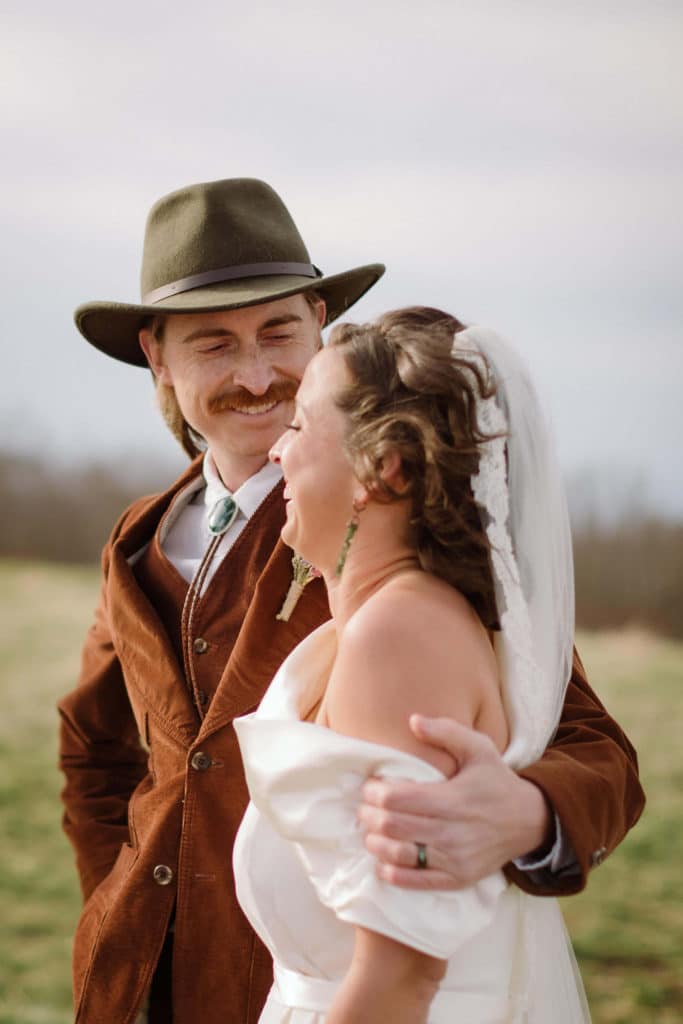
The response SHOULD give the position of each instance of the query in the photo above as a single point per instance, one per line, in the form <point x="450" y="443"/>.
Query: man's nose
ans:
<point x="253" y="372"/>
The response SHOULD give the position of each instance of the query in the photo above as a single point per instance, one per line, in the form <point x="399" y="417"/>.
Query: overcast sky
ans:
<point x="518" y="164"/>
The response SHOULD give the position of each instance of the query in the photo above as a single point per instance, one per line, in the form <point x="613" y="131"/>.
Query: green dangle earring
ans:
<point x="351" y="528"/>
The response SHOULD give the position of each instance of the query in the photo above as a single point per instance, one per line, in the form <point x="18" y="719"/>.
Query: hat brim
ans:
<point x="113" y="327"/>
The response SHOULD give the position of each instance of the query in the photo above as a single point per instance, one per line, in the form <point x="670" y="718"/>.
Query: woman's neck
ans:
<point x="368" y="568"/>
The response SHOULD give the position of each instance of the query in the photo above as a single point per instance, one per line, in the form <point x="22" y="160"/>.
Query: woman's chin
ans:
<point x="290" y="535"/>
<point x="294" y="540"/>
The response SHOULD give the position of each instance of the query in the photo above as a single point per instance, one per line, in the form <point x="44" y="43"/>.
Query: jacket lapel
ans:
<point x="264" y="642"/>
<point x="152" y="668"/>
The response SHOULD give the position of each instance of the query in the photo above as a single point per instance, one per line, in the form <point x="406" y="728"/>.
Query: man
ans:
<point x="189" y="631"/>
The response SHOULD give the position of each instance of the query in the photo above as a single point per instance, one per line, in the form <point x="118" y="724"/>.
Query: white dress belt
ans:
<point x="302" y="992"/>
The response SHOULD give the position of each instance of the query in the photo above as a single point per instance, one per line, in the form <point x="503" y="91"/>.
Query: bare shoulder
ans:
<point x="415" y="646"/>
<point x="419" y="612"/>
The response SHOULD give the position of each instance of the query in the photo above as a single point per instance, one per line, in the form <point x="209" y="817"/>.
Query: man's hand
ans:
<point x="472" y="824"/>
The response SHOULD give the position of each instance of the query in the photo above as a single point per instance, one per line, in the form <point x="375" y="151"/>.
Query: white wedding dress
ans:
<point x="304" y="879"/>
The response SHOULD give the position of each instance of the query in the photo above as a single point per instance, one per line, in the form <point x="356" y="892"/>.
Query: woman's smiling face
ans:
<point x="320" y="484"/>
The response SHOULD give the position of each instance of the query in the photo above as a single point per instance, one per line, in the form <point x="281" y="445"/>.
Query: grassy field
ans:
<point x="627" y="929"/>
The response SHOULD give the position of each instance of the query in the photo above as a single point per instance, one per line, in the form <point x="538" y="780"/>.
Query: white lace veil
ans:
<point x="519" y="491"/>
<point x="524" y="511"/>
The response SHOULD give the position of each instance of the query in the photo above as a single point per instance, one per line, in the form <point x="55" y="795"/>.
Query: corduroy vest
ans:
<point x="203" y="628"/>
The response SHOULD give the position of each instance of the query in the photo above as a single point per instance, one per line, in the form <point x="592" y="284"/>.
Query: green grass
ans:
<point x="627" y="928"/>
<point x="45" y="611"/>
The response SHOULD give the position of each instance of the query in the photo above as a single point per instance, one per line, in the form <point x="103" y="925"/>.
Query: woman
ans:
<point x="420" y="483"/>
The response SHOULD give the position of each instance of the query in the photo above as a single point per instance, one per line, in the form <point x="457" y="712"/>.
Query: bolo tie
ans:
<point x="222" y="515"/>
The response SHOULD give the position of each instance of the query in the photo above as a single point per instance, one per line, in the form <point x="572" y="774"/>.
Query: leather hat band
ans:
<point x="185" y="284"/>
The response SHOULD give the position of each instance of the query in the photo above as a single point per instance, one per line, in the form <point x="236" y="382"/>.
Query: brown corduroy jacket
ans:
<point x="153" y="824"/>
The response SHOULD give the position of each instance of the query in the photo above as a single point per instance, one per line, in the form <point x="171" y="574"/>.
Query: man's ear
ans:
<point x="321" y="312"/>
<point x="153" y="353"/>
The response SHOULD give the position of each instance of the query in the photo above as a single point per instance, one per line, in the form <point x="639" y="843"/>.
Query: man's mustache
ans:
<point x="242" y="400"/>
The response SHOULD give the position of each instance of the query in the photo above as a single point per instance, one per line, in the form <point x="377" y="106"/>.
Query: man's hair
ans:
<point x="191" y="441"/>
<point x="413" y="396"/>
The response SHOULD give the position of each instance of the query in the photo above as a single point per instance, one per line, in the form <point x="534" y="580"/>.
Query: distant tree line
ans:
<point x="65" y="513"/>
<point x="628" y="571"/>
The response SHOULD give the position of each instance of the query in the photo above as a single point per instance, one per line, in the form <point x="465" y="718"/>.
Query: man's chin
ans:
<point x="241" y="434"/>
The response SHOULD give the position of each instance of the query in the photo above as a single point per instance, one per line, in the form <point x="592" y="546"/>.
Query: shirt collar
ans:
<point x="251" y="493"/>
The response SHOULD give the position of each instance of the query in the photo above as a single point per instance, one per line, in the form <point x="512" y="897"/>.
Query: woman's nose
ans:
<point x="275" y="451"/>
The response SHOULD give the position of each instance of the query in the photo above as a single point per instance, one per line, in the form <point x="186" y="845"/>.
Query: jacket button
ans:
<point x="200" y="761"/>
<point x="200" y="645"/>
<point x="162" y="874"/>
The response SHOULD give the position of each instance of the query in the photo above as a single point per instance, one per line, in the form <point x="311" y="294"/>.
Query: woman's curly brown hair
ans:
<point x="412" y="395"/>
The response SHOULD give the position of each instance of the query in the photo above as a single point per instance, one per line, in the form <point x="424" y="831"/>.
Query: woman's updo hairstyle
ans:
<point x="412" y="395"/>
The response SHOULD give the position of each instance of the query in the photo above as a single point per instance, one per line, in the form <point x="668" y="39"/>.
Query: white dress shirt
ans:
<point x="184" y="533"/>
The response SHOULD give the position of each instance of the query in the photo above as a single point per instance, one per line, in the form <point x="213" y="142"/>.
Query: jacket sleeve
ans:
<point x="589" y="774"/>
<point x="99" y="752"/>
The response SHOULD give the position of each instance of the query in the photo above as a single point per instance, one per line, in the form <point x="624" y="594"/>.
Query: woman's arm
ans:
<point x="487" y="815"/>
<point x="386" y="982"/>
<point x="395" y="657"/>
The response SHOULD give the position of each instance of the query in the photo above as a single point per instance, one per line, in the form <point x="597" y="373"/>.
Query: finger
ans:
<point x="396" y="825"/>
<point x="400" y="854"/>
<point x="458" y="740"/>
<point x="397" y="862"/>
<point x="418" y="799"/>
<point x="410" y="878"/>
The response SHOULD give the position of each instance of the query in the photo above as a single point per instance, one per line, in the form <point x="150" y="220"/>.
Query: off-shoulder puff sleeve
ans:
<point x="306" y="780"/>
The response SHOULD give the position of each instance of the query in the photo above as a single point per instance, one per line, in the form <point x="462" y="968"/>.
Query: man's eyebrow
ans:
<point x="222" y="332"/>
<point x="207" y="332"/>
<point x="280" y="321"/>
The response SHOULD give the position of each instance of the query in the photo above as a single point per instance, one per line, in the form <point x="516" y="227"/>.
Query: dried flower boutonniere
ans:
<point x="302" y="574"/>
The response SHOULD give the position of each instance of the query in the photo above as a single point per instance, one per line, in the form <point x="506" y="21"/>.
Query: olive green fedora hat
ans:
<point x="216" y="246"/>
